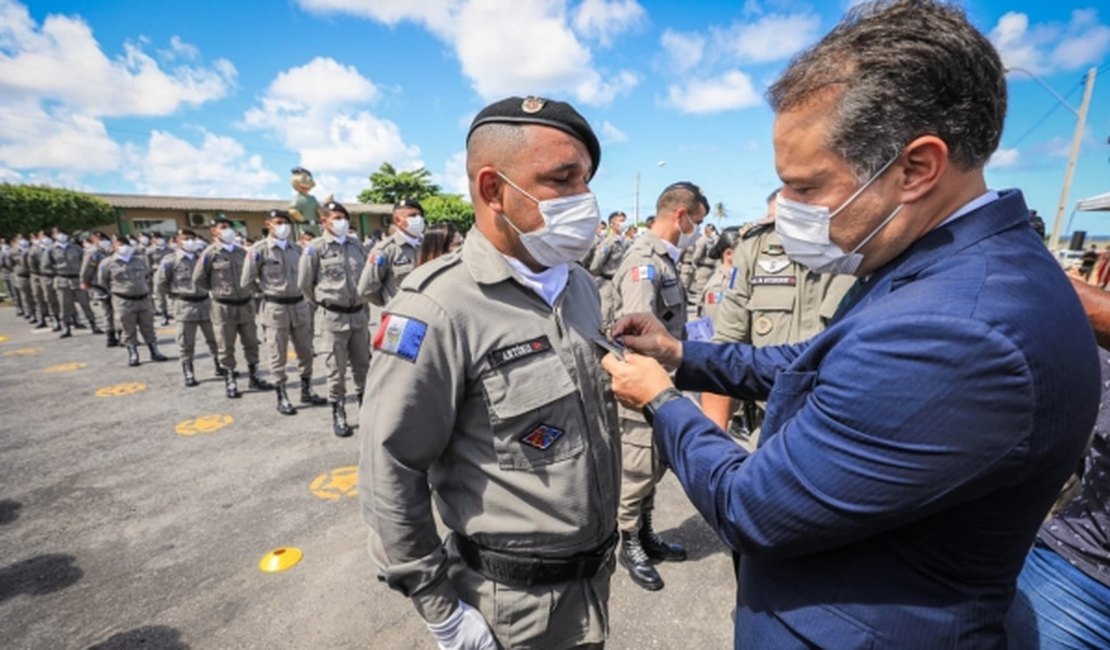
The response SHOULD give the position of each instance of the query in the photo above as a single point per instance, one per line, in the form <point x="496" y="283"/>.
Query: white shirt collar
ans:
<point x="548" y="283"/>
<point x="413" y="241"/>
<point x="281" y="243"/>
<point x="972" y="205"/>
<point x="672" y="250"/>
<point x="229" y="247"/>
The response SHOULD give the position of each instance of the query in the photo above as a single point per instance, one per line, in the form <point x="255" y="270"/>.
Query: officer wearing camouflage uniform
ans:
<point x="218" y="272"/>
<point x="648" y="280"/>
<point x="65" y="257"/>
<point x="768" y="300"/>
<point x="191" y="306"/>
<point x="393" y="257"/>
<point x="487" y="395"/>
<point x="126" y="276"/>
<point x="605" y="261"/>
<point x="90" y="278"/>
<point x="271" y="269"/>
<point x="158" y="251"/>
<point x="328" y="277"/>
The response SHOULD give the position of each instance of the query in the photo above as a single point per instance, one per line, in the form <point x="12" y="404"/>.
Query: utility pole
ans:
<point x="636" y="220"/>
<point x="1077" y="139"/>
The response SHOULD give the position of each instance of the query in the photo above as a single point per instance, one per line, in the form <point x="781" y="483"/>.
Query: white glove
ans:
<point x="465" y="629"/>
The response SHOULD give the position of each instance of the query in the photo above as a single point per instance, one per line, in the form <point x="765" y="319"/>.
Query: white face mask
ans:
<point x="804" y="231"/>
<point x="281" y="231"/>
<point x="63" y="238"/>
<point x="339" y="227"/>
<point x="227" y="235"/>
<point x="24" y="244"/>
<point x="416" y="225"/>
<point x="687" y="239"/>
<point x="105" y="245"/>
<point x="569" y="224"/>
<point x="46" y="241"/>
<point x="191" y="245"/>
<point x="145" y="241"/>
<point x="125" y="251"/>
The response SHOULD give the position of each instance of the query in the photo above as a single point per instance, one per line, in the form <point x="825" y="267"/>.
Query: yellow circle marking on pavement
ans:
<point x="167" y="330"/>
<point x="22" y="352"/>
<point x="65" y="367"/>
<point x="280" y="559"/>
<point x="4" y="339"/>
<point x="203" y="424"/>
<point x="336" y="484"/>
<point x="119" y="390"/>
<point x="291" y="355"/>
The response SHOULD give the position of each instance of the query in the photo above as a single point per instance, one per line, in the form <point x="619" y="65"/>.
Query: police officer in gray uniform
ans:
<point x="271" y="269"/>
<point x="126" y="275"/>
<point x="704" y="265"/>
<point x="65" y="257"/>
<point x="191" y="306"/>
<point x="393" y="257"/>
<point x="604" y="262"/>
<point x="100" y="250"/>
<point x="42" y="282"/>
<point x="155" y="253"/>
<point x="329" y="272"/>
<point x="219" y="271"/>
<point x="487" y="395"/>
<point x="6" y="274"/>
<point x="21" y="276"/>
<point x="648" y="280"/>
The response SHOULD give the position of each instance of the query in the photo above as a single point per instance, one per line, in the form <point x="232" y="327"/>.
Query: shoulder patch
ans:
<point x="400" y="336"/>
<point x="643" y="272"/>
<point x="308" y="249"/>
<point x="376" y="259"/>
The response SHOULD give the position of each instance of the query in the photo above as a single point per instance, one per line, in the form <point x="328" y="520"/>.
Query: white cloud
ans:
<point x="507" y="47"/>
<point x="1051" y="47"/>
<point x="454" y="179"/>
<point x="611" y="134"/>
<point x="773" y="37"/>
<point x="344" y="189"/>
<point x="32" y="137"/>
<point x="683" y="50"/>
<point x="219" y="166"/>
<point x="729" y="91"/>
<point x="315" y="110"/>
<point x="179" y="48"/>
<point x="603" y="21"/>
<point x="1004" y="158"/>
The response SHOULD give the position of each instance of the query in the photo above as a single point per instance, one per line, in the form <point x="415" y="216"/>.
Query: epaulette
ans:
<point x="423" y="275"/>
<point x="755" y="229"/>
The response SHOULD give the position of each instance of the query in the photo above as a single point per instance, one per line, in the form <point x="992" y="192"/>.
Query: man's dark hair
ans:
<point x="904" y="68"/>
<point x="682" y="194"/>
<point x="614" y="216"/>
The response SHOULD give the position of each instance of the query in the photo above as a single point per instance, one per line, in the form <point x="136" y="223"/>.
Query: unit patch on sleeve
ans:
<point x="517" y="351"/>
<point x="542" y="437"/>
<point x="400" y="336"/>
<point x="644" y="272"/>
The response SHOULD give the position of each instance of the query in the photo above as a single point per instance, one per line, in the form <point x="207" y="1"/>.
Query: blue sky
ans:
<point x="223" y="98"/>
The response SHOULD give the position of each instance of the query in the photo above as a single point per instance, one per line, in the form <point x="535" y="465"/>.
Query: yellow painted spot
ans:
<point x="280" y="559"/>
<point x="4" y="339"/>
<point x="336" y="484"/>
<point x="167" y="330"/>
<point x="65" y="367"/>
<point x="22" y="352"/>
<point x="291" y="355"/>
<point x="203" y="424"/>
<point x="120" y="390"/>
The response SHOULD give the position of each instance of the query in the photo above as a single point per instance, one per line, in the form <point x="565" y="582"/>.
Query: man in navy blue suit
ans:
<point x="911" y="450"/>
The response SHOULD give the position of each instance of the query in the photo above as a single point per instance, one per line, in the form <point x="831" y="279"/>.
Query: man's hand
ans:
<point x="644" y="334"/>
<point x="464" y="629"/>
<point x="637" y="380"/>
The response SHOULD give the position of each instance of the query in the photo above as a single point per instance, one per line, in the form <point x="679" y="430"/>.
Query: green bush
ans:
<point x="28" y="208"/>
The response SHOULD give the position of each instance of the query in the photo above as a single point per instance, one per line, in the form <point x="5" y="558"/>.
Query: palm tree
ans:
<point x="387" y="185"/>
<point x="720" y="212"/>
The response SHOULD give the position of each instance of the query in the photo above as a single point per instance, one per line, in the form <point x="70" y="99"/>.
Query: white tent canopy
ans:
<point x="1100" y="202"/>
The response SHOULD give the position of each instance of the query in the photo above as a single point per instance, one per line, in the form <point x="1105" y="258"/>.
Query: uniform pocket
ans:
<point x="771" y="299"/>
<point x="672" y="295"/>
<point x="534" y="412"/>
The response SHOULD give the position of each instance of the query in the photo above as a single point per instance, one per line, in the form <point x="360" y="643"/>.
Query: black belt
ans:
<point x="47" y="275"/>
<point x="607" y="277"/>
<point x="131" y="297"/>
<point x="516" y="570"/>
<point x="343" y="310"/>
<point x="708" y="266"/>
<point x="23" y="275"/>
<point x="283" y="301"/>
<point x="68" y="277"/>
<point x="234" y="303"/>
<point x="177" y="296"/>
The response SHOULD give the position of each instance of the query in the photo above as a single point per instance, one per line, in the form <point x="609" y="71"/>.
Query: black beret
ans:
<point x="408" y="203"/>
<point x="546" y="112"/>
<point x="221" y="219"/>
<point x="336" y="206"/>
<point x="277" y="214"/>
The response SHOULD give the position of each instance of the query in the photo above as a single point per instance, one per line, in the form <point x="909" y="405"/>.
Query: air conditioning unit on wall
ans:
<point x="196" y="220"/>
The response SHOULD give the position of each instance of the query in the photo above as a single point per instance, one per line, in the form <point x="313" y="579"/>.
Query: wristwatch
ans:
<point x="662" y="398"/>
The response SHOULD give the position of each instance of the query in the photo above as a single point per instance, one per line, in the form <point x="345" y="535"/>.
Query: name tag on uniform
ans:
<point x="518" y="351"/>
<point x="542" y="437"/>
<point x="403" y="260"/>
<point x="669" y="282"/>
<point x="774" y="280"/>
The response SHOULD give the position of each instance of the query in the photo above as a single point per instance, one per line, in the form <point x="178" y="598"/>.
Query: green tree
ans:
<point x="451" y="208"/>
<point x="387" y="185"/>
<point x="720" y="212"/>
<point x="27" y="208"/>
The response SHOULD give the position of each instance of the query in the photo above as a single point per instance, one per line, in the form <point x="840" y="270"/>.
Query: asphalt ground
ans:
<point x="134" y="513"/>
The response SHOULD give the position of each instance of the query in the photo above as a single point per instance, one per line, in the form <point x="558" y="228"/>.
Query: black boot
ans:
<point x="66" y="333"/>
<point x="220" y="370"/>
<point x="309" y="397"/>
<point x="190" y="377"/>
<point x="360" y="394"/>
<point x="655" y="546"/>
<point x="77" y="324"/>
<point x="339" y="420"/>
<point x="96" y="330"/>
<point x="132" y="355"/>
<point x="285" y="407"/>
<point x="256" y="382"/>
<point x="41" y="325"/>
<point x="57" y="325"/>
<point x="633" y="558"/>
<point x="155" y="355"/>
<point x="165" y="320"/>
<point x="231" y="387"/>
<point x="113" y="342"/>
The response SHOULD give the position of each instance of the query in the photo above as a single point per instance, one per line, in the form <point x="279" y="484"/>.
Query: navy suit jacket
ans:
<point x="909" y="452"/>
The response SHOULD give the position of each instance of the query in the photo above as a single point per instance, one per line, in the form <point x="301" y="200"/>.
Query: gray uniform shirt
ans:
<point x="174" y="278"/>
<point x="90" y="265"/>
<point x="66" y="260"/>
<point x="125" y="278"/>
<point x="388" y="264"/>
<point x="328" y="276"/>
<point x="607" y="256"/>
<point x="272" y="270"/>
<point x="491" y="401"/>
<point x="219" y="272"/>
